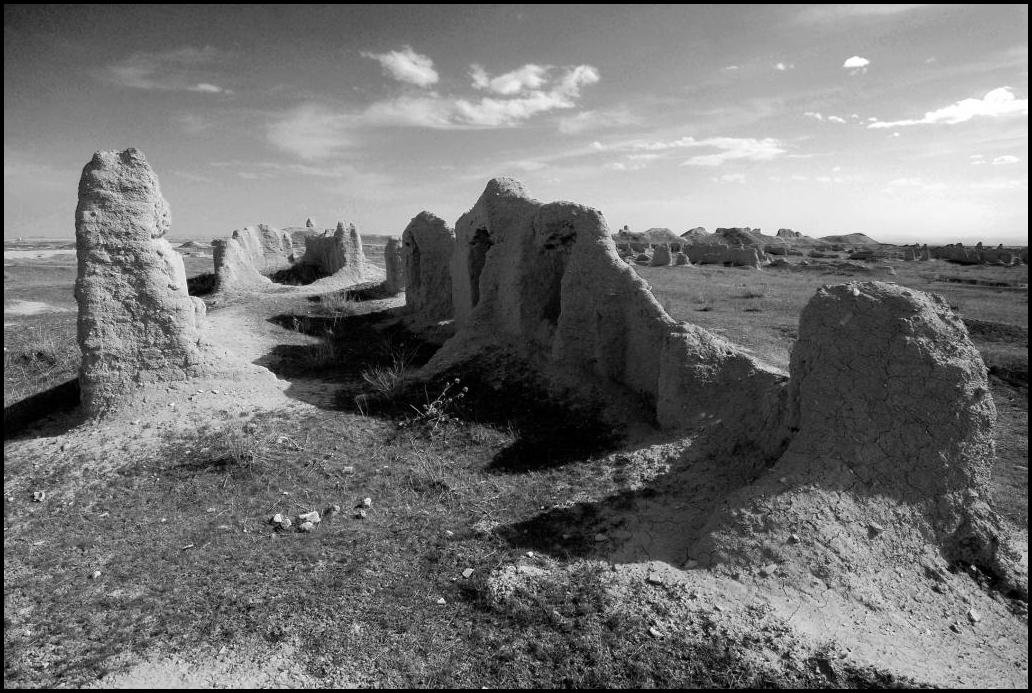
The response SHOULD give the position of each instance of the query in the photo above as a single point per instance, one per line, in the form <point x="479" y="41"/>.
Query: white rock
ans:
<point x="312" y="517"/>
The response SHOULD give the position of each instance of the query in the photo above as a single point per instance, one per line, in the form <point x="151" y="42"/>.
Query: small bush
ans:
<point x="433" y="415"/>
<point x="744" y="291"/>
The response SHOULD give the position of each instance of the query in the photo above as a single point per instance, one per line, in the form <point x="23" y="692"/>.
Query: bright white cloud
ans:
<point x="174" y="70"/>
<point x="523" y="79"/>
<point x="820" y="14"/>
<point x="434" y="111"/>
<point x="314" y="131"/>
<point x="207" y="88"/>
<point x="728" y="149"/>
<point x="856" y="65"/>
<point x="1005" y="160"/>
<point x="1002" y="184"/>
<point x="781" y="67"/>
<point x="814" y="114"/>
<point x="997" y="103"/>
<point x="836" y="119"/>
<point x="407" y="66"/>
<point x="588" y="121"/>
<point x="310" y="131"/>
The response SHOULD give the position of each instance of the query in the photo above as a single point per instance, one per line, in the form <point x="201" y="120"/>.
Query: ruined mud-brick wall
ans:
<point x="892" y="426"/>
<point x="660" y="255"/>
<point x="394" y="266"/>
<point x="427" y="245"/>
<point x="976" y="255"/>
<point x="338" y="253"/>
<point x="250" y="255"/>
<point x="547" y="278"/>
<point x="136" y="321"/>
<point x="712" y="254"/>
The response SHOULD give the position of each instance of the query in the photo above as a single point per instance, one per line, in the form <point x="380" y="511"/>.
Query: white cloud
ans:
<point x="587" y="121"/>
<point x="310" y="131"/>
<point x="912" y="183"/>
<point x="207" y="88"/>
<point x="314" y="131"/>
<point x="997" y="103"/>
<point x="731" y="68"/>
<point x="1002" y="184"/>
<point x="182" y="69"/>
<point x="526" y="78"/>
<point x="856" y="65"/>
<point x="836" y="119"/>
<point x="814" y="114"/>
<point x="1005" y="160"/>
<point x="407" y="66"/>
<point x="782" y="67"/>
<point x="729" y="178"/>
<point x="729" y="149"/>
<point x="434" y="111"/>
<point x="820" y="14"/>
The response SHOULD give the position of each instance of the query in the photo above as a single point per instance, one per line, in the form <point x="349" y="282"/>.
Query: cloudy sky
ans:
<point x="905" y="122"/>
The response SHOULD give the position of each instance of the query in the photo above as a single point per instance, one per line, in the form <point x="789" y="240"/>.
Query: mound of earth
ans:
<point x="653" y="235"/>
<point x="851" y="239"/>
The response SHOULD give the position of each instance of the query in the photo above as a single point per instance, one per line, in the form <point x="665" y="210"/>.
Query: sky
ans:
<point x="905" y="122"/>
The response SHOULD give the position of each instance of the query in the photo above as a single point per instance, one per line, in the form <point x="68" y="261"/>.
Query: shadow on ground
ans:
<point x="53" y="412"/>
<point x="369" y="360"/>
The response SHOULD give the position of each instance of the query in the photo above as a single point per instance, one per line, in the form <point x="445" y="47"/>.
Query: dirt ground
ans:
<point x="151" y="563"/>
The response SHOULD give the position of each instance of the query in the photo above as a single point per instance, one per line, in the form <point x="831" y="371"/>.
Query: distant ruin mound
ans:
<point x="851" y="239"/>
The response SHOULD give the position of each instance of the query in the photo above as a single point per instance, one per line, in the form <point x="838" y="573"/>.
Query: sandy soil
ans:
<point x="907" y="625"/>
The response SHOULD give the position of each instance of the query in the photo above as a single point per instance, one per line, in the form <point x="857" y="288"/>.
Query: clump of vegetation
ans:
<point x="38" y="357"/>
<point x="744" y="291"/>
<point x="340" y="304"/>
<point x="433" y="415"/>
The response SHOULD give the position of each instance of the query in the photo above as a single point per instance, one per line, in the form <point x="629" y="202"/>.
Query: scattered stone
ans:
<point x="366" y="503"/>
<point x="39" y="496"/>
<point x="654" y="632"/>
<point x="276" y="519"/>
<point x="874" y="529"/>
<point x="974" y="616"/>
<point x="441" y="601"/>
<point x="312" y="517"/>
<point x="95" y="575"/>
<point x="955" y="627"/>
<point x="348" y="470"/>
<point x="600" y="537"/>
<point x="654" y="579"/>
<point x="361" y="515"/>
<point x="793" y="538"/>
<point x="285" y="523"/>
<point x="768" y="570"/>
<point x="467" y="573"/>
<point x="306" y="526"/>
